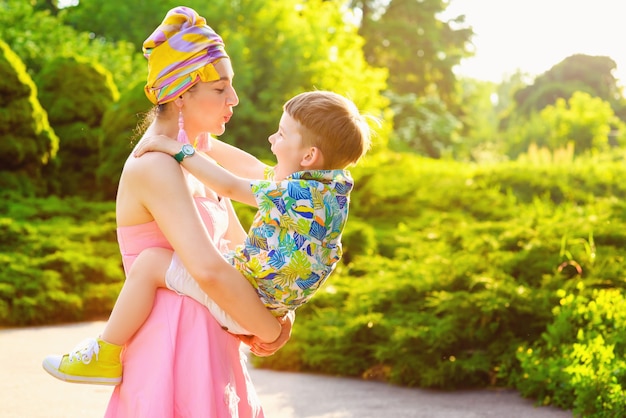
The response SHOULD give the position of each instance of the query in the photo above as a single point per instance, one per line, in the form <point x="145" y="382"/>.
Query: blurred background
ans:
<point x="485" y="241"/>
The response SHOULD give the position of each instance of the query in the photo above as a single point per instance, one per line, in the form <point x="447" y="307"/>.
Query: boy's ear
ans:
<point x="313" y="159"/>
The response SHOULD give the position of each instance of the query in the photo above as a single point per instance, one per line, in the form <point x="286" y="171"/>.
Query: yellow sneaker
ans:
<point x="92" y="361"/>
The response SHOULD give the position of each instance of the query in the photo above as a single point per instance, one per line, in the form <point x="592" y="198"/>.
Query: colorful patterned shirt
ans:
<point x="294" y="242"/>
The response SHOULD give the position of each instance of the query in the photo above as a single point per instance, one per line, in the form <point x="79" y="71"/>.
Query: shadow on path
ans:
<point x="27" y="391"/>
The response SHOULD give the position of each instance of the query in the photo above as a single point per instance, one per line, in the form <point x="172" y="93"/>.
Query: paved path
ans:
<point x="27" y="391"/>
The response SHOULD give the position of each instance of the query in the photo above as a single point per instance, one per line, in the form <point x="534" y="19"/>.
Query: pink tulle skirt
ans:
<point x="182" y="364"/>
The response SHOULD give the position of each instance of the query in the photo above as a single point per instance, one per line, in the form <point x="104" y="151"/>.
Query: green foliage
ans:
<point x="451" y="272"/>
<point x="424" y="125"/>
<point x="481" y="105"/>
<point x="49" y="277"/>
<point x="76" y="93"/>
<point x="121" y="128"/>
<point x="37" y="37"/>
<point x="579" y="360"/>
<point x="546" y="95"/>
<point x="425" y="68"/>
<point x="130" y="21"/>
<point x="359" y="238"/>
<point x="422" y="87"/>
<point x="575" y="73"/>
<point x="27" y="142"/>
<point x="577" y="101"/>
<point x="584" y="121"/>
<point x="70" y="88"/>
<point x="314" y="33"/>
<point x="454" y="276"/>
<point x="471" y="262"/>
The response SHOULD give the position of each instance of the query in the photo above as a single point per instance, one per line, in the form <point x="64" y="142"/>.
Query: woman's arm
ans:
<point x="235" y="232"/>
<point x="159" y="185"/>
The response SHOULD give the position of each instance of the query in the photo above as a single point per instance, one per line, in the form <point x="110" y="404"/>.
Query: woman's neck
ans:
<point x="168" y="129"/>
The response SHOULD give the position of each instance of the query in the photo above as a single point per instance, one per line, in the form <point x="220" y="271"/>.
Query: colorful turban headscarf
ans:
<point x="180" y="53"/>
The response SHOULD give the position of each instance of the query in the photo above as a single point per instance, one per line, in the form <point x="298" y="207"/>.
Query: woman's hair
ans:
<point x="332" y="123"/>
<point x="145" y="120"/>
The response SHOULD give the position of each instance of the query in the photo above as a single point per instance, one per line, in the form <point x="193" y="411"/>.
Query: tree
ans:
<point x="283" y="48"/>
<point x="588" y="123"/>
<point x="51" y="6"/>
<point x="27" y="142"/>
<point x="130" y="21"/>
<point x="76" y="93"/>
<point x="278" y="49"/>
<point x="585" y="120"/>
<point x="481" y="106"/>
<point x="590" y="74"/>
<point x="38" y="37"/>
<point x="121" y="128"/>
<point x="419" y="50"/>
<point x="430" y="130"/>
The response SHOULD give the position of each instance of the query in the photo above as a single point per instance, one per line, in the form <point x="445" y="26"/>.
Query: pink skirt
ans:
<point x="182" y="364"/>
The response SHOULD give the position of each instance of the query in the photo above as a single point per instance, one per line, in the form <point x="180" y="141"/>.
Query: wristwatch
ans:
<point x="186" y="151"/>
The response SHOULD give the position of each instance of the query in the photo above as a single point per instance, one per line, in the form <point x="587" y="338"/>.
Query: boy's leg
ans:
<point x="134" y="303"/>
<point x="178" y="279"/>
<point x="97" y="361"/>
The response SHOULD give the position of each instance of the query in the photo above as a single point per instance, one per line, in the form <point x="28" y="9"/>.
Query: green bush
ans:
<point x="27" y="142"/>
<point x="60" y="260"/>
<point x="471" y="262"/>
<point x="76" y="93"/>
<point x="450" y="278"/>
<point x="580" y="360"/>
<point x="121" y="129"/>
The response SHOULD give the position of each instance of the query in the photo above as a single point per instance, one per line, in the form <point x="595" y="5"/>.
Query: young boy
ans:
<point x="293" y="244"/>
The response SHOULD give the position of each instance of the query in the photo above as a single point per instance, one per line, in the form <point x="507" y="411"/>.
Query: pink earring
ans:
<point x="203" y="142"/>
<point x="182" y="135"/>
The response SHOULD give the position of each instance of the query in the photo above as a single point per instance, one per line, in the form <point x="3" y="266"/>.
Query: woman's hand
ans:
<point x="160" y="143"/>
<point x="261" y="349"/>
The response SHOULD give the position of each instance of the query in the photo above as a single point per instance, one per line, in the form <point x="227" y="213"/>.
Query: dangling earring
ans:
<point x="182" y="135"/>
<point x="203" y="142"/>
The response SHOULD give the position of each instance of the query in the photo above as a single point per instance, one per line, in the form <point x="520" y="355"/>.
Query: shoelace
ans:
<point x="85" y="351"/>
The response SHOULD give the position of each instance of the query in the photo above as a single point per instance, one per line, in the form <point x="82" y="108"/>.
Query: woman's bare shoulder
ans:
<point x="151" y="168"/>
<point x="148" y="186"/>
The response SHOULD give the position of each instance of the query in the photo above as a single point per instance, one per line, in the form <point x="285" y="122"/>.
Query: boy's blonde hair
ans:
<point x="333" y="124"/>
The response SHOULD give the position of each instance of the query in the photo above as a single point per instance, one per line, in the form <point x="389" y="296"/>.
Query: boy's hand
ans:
<point x="262" y="349"/>
<point x="160" y="143"/>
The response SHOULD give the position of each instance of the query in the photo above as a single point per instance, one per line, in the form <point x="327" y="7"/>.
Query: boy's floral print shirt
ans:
<point x="294" y="242"/>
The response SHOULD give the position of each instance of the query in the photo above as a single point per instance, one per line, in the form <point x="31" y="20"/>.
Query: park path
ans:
<point x="27" y="391"/>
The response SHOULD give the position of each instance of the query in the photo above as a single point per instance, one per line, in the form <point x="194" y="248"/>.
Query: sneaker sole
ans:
<point x="108" y="381"/>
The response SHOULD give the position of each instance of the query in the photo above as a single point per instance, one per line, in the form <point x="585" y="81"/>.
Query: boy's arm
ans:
<point x="220" y="180"/>
<point x="236" y="161"/>
<point x="223" y="182"/>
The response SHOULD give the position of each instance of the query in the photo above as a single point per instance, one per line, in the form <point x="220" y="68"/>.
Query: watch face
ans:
<point x="188" y="149"/>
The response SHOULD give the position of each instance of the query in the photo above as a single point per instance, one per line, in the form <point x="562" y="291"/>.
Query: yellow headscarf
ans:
<point x="180" y="53"/>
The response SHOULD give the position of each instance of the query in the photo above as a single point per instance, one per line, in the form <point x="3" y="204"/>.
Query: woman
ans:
<point x="181" y="363"/>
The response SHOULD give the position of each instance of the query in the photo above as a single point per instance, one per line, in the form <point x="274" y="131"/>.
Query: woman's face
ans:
<point x="207" y="107"/>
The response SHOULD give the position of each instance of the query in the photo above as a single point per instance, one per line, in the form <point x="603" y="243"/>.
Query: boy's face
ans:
<point x="288" y="147"/>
